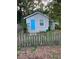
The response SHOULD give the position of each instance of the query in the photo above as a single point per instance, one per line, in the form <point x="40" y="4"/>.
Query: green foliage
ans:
<point x="34" y="49"/>
<point x="18" y="48"/>
<point x="23" y="24"/>
<point x="57" y="27"/>
<point x="19" y="16"/>
<point x="54" y="55"/>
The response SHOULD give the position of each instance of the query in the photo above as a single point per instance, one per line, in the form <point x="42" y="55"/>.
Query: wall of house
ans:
<point x="37" y="19"/>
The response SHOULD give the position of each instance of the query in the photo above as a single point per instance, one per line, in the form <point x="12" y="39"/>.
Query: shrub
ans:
<point x="57" y="27"/>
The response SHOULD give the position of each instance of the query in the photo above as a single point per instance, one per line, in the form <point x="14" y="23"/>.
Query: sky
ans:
<point x="45" y="2"/>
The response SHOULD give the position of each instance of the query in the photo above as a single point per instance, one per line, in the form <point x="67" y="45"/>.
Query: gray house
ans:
<point x="37" y="22"/>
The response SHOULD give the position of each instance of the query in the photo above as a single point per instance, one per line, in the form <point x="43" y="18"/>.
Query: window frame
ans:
<point x="41" y="22"/>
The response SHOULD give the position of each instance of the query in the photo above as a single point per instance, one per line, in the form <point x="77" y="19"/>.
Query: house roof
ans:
<point x="35" y="14"/>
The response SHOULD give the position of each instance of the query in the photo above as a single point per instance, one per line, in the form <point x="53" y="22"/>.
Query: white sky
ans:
<point x="45" y="2"/>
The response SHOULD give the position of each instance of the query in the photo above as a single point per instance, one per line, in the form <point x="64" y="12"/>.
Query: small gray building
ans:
<point x="37" y="22"/>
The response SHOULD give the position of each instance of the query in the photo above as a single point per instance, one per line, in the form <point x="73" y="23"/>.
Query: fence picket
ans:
<point x="39" y="39"/>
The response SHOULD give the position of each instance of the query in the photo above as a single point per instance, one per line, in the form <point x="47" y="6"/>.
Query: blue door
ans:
<point x="32" y="24"/>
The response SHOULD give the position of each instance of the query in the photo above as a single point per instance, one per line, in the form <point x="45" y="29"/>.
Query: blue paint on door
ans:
<point x="32" y="24"/>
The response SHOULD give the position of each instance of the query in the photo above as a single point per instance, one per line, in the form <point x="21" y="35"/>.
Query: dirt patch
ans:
<point x="44" y="52"/>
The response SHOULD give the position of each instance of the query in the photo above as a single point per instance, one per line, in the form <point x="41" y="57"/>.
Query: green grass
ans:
<point x="18" y="48"/>
<point x="54" y="56"/>
<point x="33" y="49"/>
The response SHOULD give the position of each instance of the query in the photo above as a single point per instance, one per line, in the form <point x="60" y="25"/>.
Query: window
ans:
<point x="42" y="22"/>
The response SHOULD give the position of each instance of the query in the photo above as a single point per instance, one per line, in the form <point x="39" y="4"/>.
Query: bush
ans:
<point x="24" y="25"/>
<point x="57" y="27"/>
